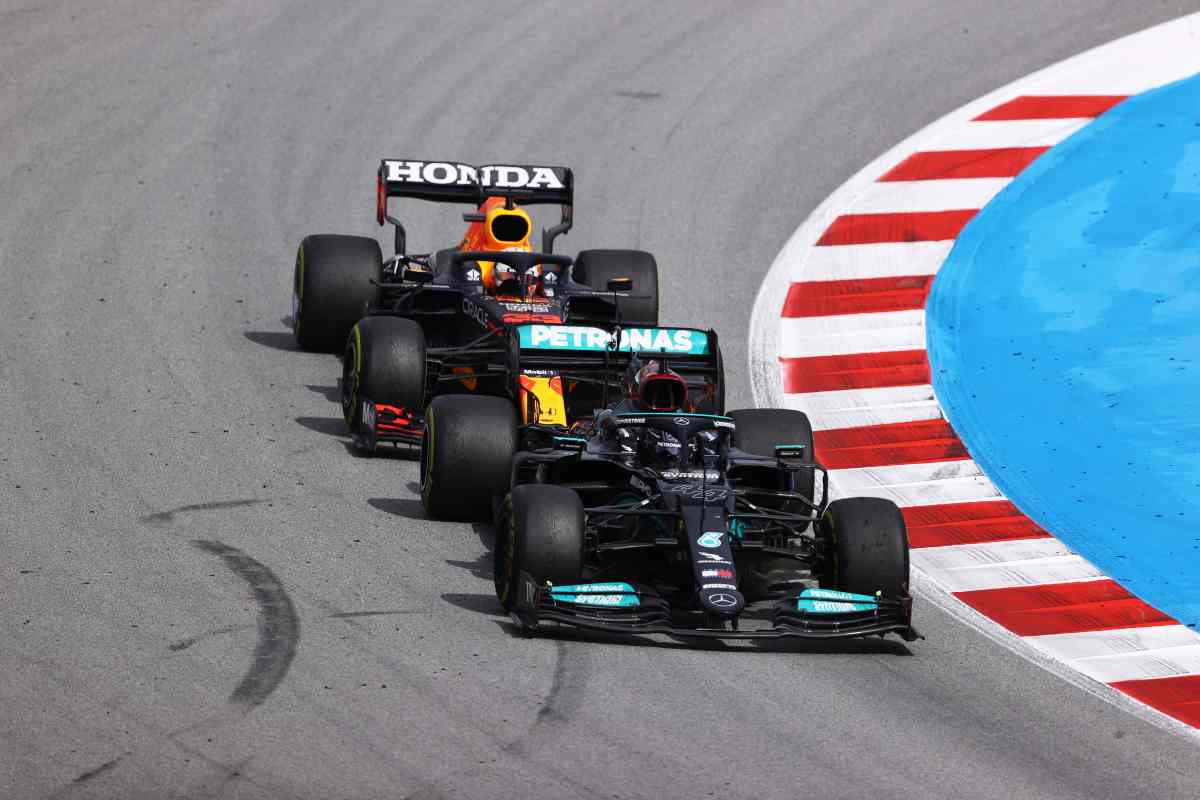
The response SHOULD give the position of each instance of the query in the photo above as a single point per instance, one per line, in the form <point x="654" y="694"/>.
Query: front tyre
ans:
<point x="384" y="362"/>
<point x="466" y="455"/>
<point x="540" y="532"/>
<point x="332" y="286"/>
<point x="866" y="547"/>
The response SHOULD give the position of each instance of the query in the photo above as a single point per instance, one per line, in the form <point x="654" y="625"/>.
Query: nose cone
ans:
<point x="719" y="600"/>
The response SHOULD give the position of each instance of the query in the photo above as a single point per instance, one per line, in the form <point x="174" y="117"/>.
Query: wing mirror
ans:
<point x="790" y="452"/>
<point x="417" y="275"/>
<point x="620" y="284"/>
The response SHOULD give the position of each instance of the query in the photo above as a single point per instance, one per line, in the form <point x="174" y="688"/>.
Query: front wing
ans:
<point x="384" y="423"/>
<point x="653" y="615"/>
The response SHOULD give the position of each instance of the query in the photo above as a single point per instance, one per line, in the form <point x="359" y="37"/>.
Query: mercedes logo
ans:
<point x="682" y="421"/>
<point x="722" y="600"/>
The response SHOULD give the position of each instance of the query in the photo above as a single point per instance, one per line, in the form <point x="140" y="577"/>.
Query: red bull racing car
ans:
<point x="491" y="316"/>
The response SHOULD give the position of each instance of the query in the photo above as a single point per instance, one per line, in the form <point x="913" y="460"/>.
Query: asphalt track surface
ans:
<point x="205" y="595"/>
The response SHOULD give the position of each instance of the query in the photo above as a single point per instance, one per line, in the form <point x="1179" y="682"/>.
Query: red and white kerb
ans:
<point x="852" y="351"/>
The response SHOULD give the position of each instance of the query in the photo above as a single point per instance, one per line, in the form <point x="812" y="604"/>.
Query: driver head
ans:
<point x="657" y="387"/>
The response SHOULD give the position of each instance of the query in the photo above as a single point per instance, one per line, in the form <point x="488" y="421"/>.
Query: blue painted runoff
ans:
<point x="1064" y="337"/>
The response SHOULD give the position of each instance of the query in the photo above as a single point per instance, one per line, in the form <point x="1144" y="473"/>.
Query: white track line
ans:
<point x="874" y="261"/>
<point x="896" y="196"/>
<point x="857" y="408"/>
<point x="847" y="334"/>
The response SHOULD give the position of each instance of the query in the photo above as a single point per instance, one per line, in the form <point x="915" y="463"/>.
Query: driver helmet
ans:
<point x="656" y="387"/>
<point x="500" y="274"/>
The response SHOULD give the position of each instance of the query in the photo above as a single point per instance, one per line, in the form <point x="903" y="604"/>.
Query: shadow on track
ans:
<point x="331" y="393"/>
<point x="479" y="603"/>
<point x="332" y="426"/>
<point x="406" y="507"/>
<point x="276" y="340"/>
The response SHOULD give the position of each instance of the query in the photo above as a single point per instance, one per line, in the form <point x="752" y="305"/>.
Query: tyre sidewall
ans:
<point x="596" y="267"/>
<point x="385" y="363"/>
<point x="543" y="536"/>
<point x="866" y="547"/>
<point x="332" y="288"/>
<point x="466" y="457"/>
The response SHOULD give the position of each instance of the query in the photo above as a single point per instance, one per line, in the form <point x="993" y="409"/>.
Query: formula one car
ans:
<point x="694" y="526"/>
<point x="564" y="375"/>
<point x="457" y="321"/>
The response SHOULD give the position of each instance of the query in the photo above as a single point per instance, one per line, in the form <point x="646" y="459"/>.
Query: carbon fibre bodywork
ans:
<point x="711" y="543"/>
<point x="558" y="358"/>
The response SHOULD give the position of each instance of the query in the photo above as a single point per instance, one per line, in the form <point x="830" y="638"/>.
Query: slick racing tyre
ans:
<point x="466" y="456"/>
<point x="332" y="288"/>
<point x="866" y="546"/>
<point x="384" y="362"/>
<point x="759" y="430"/>
<point x="540" y="532"/>
<point x="596" y="267"/>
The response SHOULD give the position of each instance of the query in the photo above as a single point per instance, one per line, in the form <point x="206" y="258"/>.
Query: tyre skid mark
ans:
<point x="164" y="517"/>
<point x="183" y="644"/>
<point x="278" y="624"/>
<point x="356" y="614"/>
<point x="100" y="770"/>
<point x="571" y="672"/>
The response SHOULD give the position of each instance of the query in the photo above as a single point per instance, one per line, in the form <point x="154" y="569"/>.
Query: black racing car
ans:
<point x="695" y="525"/>
<point x="414" y="327"/>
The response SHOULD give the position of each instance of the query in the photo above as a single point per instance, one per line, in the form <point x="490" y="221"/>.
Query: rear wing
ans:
<point x="592" y="355"/>
<point x="451" y="182"/>
<point x="669" y="343"/>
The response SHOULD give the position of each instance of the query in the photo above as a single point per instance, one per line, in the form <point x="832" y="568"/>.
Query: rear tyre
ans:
<point x="866" y="545"/>
<point x="332" y="287"/>
<point x="466" y="455"/>
<point x="759" y="430"/>
<point x="541" y="533"/>
<point x="596" y="267"/>
<point x="384" y="362"/>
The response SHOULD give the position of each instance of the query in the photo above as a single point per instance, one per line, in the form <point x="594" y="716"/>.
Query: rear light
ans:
<point x="380" y="198"/>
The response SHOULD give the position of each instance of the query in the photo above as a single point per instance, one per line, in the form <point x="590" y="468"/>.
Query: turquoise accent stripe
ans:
<point x="679" y="341"/>
<point x="830" y="601"/>
<point x="593" y="594"/>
